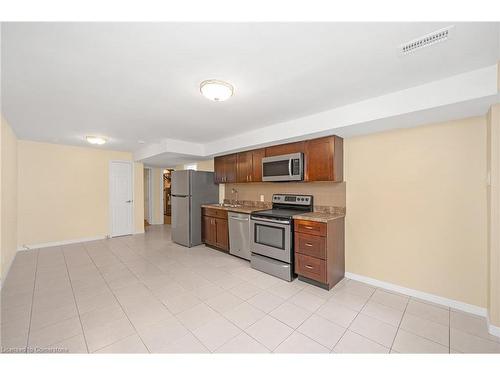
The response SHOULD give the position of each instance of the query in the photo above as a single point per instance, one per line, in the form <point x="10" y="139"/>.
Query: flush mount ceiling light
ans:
<point x="92" y="139"/>
<point x="216" y="90"/>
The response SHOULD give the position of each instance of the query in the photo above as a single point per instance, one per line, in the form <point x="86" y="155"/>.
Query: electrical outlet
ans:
<point x="262" y="197"/>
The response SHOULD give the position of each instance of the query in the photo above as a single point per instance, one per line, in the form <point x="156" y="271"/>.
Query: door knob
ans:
<point x="129" y="201"/>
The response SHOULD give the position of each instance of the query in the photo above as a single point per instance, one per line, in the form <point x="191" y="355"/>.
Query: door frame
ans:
<point x="150" y="195"/>
<point x="162" y="195"/>
<point x="132" y="206"/>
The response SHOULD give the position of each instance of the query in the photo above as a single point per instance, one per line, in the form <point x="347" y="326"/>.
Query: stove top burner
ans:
<point x="279" y="212"/>
<point x="285" y="206"/>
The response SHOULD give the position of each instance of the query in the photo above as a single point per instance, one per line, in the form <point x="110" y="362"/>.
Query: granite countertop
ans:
<point x="322" y="214"/>
<point x="241" y="209"/>
<point x="322" y="217"/>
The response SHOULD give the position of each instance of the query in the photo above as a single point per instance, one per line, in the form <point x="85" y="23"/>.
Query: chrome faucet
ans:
<point x="234" y="191"/>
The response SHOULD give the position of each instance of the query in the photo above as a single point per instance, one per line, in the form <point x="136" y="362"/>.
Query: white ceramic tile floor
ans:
<point x="143" y="293"/>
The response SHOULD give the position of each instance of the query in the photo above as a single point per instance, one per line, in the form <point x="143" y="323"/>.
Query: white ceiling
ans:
<point x="140" y="81"/>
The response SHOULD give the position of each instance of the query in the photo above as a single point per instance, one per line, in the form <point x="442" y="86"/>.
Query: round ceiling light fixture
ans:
<point x="95" y="140"/>
<point x="216" y="90"/>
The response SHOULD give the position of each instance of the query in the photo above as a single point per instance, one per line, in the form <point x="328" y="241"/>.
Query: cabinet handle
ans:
<point x="308" y="244"/>
<point x="310" y="267"/>
<point x="308" y="227"/>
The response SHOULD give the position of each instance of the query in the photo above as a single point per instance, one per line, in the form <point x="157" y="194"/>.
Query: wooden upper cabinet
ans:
<point x="225" y="168"/>
<point x="287" y="148"/>
<point x="230" y="163"/>
<point x="257" y="155"/>
<point x="219" y="169"/>
<point x="244" y="166"/>
<point x="249" y="166"/>
<point x="323" y="159"/>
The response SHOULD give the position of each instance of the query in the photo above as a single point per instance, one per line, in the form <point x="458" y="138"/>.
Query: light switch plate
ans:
<point x="262" y="197"/>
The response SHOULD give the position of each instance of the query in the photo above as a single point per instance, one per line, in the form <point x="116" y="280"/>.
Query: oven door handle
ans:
<point x="287" y="222"/>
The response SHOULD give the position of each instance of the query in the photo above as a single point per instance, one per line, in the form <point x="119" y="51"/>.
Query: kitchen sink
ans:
<point x="227" y="205"/>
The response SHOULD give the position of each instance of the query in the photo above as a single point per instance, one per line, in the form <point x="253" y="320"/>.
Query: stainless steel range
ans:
<point x="271" y="234"/>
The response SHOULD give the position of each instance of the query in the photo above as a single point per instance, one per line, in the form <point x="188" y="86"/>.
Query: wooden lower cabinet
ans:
<point x="215" y="229"/>
<point x="222" y="234"/>
<point x="319" y="251"/>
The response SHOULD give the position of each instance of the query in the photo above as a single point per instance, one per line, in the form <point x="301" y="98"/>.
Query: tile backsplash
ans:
<point x="324" y="193"/>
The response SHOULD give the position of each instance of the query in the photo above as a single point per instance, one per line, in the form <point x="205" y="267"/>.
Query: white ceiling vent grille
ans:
<point x="426" y="40"/>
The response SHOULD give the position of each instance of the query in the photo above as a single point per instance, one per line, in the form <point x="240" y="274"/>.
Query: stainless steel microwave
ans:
<point x="289" y="167"/>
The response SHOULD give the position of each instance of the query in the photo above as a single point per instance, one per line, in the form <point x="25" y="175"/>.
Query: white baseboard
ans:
<point x="462" y="306"/>
<point x="493" y="330"/>
<point x="60" y="243"/>
<point x="472" y="309"/>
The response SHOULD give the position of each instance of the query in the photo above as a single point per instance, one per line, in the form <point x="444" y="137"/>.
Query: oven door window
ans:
<point x="276" y="168"/>
<point x="269" y="235"/>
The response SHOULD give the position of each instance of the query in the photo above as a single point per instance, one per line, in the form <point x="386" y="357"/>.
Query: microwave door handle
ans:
<point x="290" y="167"/>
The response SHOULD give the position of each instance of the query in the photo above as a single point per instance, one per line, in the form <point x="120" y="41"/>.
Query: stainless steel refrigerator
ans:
<point x="190" y="189"/>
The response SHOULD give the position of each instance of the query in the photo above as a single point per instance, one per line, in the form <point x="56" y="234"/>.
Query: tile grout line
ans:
<point x="152" y="292"/>
<point x="202" y="302"/>
<point x="399" y="325"/>
<point x="350" y="324"/>
<point x="114" y="295"/>
<point x="296" y="329"/>
<point x="147" y="287"/>
<point x="269" y="314"/>
<point x="32" y="299"/>
<point x="419" y="335"/>
<point x="74" y="299"/>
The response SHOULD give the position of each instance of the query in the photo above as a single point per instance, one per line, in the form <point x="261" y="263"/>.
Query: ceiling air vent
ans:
<point x="426" y="40"/>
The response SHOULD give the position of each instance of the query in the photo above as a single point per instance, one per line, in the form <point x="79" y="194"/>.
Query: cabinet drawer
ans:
<point x="214" y="212"/>
<point x="311" y="245"/>
<point x="310" y="227"/>
<point x="312" y="268"/>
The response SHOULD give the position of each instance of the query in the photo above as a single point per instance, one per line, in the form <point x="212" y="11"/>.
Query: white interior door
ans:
<point x="121" y="197"/>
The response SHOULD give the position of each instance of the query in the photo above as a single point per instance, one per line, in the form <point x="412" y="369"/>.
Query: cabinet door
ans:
<point x="324" y="160"/>
<point x="244" y="166"/>
<point x="288" y="148"/>
<point x="208" y="230"/>
<point x="256" y="173"/>
<point x="230" y="162"/>
<point x="219" y="169"/>
<point x="319" y="159"/>
<point x="222" y="234"/>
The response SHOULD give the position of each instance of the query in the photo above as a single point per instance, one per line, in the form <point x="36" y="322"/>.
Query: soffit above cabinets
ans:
<point x="140" y="81"/>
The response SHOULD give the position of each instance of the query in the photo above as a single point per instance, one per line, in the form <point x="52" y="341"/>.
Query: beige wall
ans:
<point x="8" y="194"/>
<point x="157" y="191"/>
<point x="416" y="208"/>
<point x="63" y="192"/>
<point x="325" y="193"/>
<point x="493" y="158"/>
<point x="138" y="197"/>
<point x="201" y="165"/>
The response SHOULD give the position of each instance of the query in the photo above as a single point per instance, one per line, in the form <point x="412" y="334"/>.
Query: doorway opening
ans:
<point x="167" y="204"/>
<point x="148" y="201"/>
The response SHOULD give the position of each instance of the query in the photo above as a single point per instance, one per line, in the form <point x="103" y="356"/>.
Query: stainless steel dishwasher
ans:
<point x="239" y="235"/>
